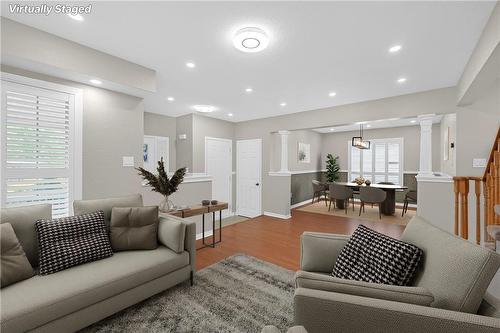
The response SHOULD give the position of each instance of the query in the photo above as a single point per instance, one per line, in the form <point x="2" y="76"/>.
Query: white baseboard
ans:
<point x="301" y="203"/>
<point x="280" y="216"/>
<point x="207" y="234"/>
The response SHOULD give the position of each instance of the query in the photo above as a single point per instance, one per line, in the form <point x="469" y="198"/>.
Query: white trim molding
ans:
<point x="436" y="177"/>
<point x="279" y="174"/>
<point x="299" y="172"/>
<point x="298" y="204"/>
<point x="279" y="216"/>
<point x="284" y="150"/>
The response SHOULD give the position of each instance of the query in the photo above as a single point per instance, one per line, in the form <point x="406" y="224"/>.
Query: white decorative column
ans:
<point x="284" y="151"/>
<point x="425" y="168"/>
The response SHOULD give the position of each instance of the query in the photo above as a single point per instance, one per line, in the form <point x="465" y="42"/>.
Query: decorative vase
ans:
<point x="166" y="205"/>
<point x="368" y="182"/>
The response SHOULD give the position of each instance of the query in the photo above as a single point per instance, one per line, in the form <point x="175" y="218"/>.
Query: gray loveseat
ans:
<point x="447" y="296"/>
<point x="77" y="297"/>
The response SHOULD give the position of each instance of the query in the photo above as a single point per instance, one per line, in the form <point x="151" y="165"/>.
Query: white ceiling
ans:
<point x="315" y="48"/>
<point x="370" y="125"/>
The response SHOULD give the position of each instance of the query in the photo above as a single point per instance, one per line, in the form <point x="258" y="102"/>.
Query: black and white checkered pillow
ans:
<point x="71" y="241"/>
<point x="373" y="257"/>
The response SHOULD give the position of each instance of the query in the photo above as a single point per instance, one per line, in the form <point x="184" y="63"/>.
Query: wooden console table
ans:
<point x="202" y="210"/>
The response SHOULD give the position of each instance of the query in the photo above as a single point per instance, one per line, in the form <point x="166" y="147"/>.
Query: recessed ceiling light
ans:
<point x="204" y="108"/>
<point x="190" y="65"/>
<point x="251" y="39"/>
<point x="95" y="81"/>
<point x="332" y="94"/>
<point x="395" y="48"/>
<point x="413" y="121"/>
<point x="332" y="129"/>
<point x="170" y="99"/>
<point x="248" y="90"/>
<point x="230" y="114"/>
<point x="402" y="80"/>
<point x="368" y="126"/>
<point x="76" y="17"/>
<point x="283" y="104"/>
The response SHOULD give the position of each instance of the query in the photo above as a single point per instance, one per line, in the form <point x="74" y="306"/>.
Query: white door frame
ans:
<point x="230" y="203"/>
<point x="238" y="175"/>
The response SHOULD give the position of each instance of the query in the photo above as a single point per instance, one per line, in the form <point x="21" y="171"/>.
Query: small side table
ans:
<point x="202" y="210"/>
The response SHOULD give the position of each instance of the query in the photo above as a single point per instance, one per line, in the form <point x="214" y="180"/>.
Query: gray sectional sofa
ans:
<point x="79" y="296"/>
<point x="447" y="296"/>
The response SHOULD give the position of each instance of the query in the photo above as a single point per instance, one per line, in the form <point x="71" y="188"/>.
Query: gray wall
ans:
<point x="184" y="148"/>
<point x="112" y="128"/>
<point x="336" y="144"/>
<point x="477" y="125"/>
<point x="315" y="142"/>
<point x="160" y="125"/>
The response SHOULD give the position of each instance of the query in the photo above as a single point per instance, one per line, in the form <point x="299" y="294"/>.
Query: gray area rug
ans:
<point x="238" y="294"/>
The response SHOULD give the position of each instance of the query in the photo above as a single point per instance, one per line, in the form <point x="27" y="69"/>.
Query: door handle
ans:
<point x="257" y="184"/>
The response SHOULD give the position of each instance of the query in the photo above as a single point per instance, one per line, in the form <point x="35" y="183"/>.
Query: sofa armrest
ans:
<point x="319" y="251"/>
<point x="178" y="235"/>
<point x="320" y="311"/>
<point x="404" y="294"/>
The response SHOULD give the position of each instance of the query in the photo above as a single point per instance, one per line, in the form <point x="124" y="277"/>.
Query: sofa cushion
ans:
<point x="15" y="266"/>
<point x="134" y="228"/>
<point x="23" y="221"/>
<point x="171" y="232"/>
<point x="457" y="272"/>
<point x="373" y="257"/>
<point x="41" y="299"/>
<point x="404" y="294"/>
<point x="69" y="241"/>
<point x="106" y="205"/>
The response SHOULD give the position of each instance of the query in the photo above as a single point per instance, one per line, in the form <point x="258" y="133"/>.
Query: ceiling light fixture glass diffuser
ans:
<point x="358" y="142"/>
<point x="204" y="108"/>
<point x="251" y="39"/>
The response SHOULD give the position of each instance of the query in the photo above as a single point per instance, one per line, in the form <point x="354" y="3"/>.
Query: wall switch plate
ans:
<point x="182" y="136"/>
<point x="128" y="161"/>
<point x="478" y="162"/>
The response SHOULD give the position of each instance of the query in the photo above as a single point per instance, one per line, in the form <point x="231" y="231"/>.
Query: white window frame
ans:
<point x="75" y="192"/>
<point x="399" y="141"/>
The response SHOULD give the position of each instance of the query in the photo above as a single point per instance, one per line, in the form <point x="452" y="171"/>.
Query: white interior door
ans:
<point x="249" y="177"/>
<point x="219" y="165"/>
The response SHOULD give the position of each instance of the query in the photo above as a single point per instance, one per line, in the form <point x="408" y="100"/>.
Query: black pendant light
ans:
<point x="358" y="142"/>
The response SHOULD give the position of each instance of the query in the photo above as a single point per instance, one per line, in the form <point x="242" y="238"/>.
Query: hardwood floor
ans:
<point x="278" y="241"/>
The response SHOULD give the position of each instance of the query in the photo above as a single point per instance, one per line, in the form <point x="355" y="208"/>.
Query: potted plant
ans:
<point x="162" y="184"/>
<point x="332" y="168"/>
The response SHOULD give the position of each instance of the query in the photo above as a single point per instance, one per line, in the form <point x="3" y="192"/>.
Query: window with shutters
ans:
<point x="41" y="144"/>
<point x="383" y="162"/>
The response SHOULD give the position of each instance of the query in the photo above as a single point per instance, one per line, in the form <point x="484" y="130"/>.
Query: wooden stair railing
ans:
<point x="491" y="193"/>
<point x="491" y="186"/>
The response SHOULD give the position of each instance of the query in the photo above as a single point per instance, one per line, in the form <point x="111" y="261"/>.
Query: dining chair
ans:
<point x="339" y="192"/>
<point x="371" y="195"/>
<point x="411" y="196"/>
<point x="319" y="189"/>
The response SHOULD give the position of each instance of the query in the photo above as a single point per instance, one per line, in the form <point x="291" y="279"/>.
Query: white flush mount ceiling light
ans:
<point x="251" y="39"/>
<point x="190" y="65"/>
<point x="332" y="94"/>
<point x="229" y="114"/>
<point x="332" y="129"/>
<point x="95" y="81"/>
<point x="170" y="99"/>
<point x="248" y="90"/>
<point x="395" y="48"/>
<point x="283" y="104"/>
<point x="413" y="121"/>
<point x="76" y="17"/>
<point x="402" y="80"/>
<point x="204" y="108"/>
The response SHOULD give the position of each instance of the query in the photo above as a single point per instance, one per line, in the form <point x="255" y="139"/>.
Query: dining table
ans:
<point x="388" y="207"/>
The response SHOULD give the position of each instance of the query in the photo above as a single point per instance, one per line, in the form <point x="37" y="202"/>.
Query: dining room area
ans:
<point x="363" y="171"/>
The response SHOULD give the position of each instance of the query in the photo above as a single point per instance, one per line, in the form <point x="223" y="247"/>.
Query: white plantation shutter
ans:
<point x="38" y="155"/>
<point x="381" y="163"/>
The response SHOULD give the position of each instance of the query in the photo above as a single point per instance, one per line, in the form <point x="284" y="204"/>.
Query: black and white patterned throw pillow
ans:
<point x="71" y="241"/>
<point x="373" y="257"/>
